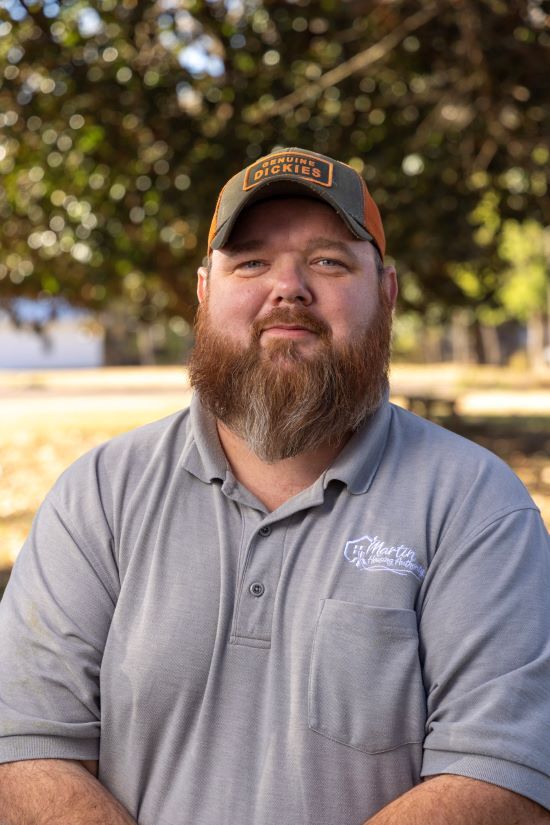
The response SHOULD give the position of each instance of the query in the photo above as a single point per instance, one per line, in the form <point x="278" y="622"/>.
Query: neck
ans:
<point x="274" y="483"/>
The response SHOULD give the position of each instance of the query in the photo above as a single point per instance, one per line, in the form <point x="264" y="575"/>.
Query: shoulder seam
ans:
<point x="496" y="516"/>
<point x="79" y="539"/>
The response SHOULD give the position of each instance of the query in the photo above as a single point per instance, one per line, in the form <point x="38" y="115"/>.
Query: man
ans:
<point x="294" y="603"/>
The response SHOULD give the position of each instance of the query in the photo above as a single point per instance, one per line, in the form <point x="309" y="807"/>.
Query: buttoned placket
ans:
<point x="262" y="555"/>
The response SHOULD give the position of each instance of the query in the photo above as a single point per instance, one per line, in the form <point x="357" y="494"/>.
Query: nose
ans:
<point x="290" y="284"/>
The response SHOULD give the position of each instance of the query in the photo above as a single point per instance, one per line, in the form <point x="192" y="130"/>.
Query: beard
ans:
<point x="282" y="402"/>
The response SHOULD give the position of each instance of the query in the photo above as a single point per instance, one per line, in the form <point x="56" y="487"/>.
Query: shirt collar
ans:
<point x="355" y="466"/>
<point x="358" y="462"/>
<point x="203" y="455"/>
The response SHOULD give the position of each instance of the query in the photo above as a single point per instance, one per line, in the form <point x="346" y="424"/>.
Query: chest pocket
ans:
<point x="365" y="682"/>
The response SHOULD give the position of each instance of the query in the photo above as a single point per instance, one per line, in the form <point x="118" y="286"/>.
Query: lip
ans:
<point x="288" y="331"/>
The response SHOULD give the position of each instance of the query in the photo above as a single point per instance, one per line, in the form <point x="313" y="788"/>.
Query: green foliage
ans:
<point x="526" y="249"/>
<point x="120" y="121"/>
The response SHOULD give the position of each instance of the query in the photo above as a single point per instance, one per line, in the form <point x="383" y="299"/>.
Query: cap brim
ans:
<point x="281" y="188"/>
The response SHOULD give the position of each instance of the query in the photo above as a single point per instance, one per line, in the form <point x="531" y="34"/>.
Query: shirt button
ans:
<point x="257" y="589"/>
<point x="265" y="531"/>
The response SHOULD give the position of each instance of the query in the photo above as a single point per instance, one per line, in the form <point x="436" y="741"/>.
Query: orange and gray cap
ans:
<point x="289" y="172"/>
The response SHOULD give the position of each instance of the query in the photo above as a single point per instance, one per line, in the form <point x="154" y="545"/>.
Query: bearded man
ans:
<point x="295" y="603"/>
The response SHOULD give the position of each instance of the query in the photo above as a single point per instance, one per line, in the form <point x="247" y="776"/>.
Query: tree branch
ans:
<point x="357" y="63"/>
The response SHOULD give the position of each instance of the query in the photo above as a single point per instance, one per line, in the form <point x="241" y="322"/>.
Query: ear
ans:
<point x="202" y="283"/>
<point x="389" y="284"/>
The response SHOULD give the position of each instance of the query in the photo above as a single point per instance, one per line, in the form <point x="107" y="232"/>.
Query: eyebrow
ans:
<point x="234" y="249"/>
<point x="329" y="243"/>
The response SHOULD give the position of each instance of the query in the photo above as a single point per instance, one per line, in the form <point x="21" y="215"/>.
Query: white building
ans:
<point x="69" y="341"/>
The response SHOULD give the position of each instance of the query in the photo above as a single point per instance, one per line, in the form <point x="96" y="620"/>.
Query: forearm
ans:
<point x="56" y="792"/>
<point x="457" y="800"/>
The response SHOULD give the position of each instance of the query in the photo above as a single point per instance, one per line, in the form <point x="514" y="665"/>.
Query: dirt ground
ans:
<point x="48" y="419"/>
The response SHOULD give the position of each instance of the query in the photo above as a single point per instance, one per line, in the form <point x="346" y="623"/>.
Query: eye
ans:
<point x="250" y="267"/>
<point x="331" y="264"/>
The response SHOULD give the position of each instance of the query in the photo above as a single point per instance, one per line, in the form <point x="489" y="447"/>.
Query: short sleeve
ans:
<point x="485" y="646"/>
<point x="54" y="620"/>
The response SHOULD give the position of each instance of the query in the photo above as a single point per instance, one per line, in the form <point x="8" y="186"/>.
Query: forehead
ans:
<point x="296" y="216"/>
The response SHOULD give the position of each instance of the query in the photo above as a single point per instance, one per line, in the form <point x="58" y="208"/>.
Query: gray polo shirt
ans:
<point x="301" y="667"/>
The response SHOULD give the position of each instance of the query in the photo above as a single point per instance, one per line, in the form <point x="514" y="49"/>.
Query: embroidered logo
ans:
<point x="289" y="163"/>
<point x="371" y="553"/>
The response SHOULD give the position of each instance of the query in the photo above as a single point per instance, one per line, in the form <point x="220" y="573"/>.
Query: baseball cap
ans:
<point x="291" y="172"/>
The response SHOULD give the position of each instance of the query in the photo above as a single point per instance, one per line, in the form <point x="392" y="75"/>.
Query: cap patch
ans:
<point x="289" y="164"/>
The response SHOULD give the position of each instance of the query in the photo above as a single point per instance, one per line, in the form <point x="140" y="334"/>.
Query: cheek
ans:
<point x="351" y="315"/>
<point x="232" y="310"/>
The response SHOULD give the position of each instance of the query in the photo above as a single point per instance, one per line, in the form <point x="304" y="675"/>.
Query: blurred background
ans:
<point x="119" y="123"/>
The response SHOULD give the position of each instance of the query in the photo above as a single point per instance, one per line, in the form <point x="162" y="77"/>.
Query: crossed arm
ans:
<point x="65" y="792"/>
<point x="56" y="792"/>
<point x="458" y="800"/>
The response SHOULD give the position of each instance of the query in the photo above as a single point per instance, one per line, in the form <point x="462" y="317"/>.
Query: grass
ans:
<point x="34" y="453"/>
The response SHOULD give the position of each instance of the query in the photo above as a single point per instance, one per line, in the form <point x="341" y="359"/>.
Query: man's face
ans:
<point x="293" y="332"/>
<point x="287" y="254"/>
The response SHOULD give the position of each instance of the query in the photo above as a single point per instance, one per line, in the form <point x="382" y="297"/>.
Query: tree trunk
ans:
<point x="119" y="348"/>
<point x="460" y="336"/>
<point x="145" y="344"/>
<point x="431" y="346"/>
<point x="535" y="339"/>
<point x="490" y="342"/>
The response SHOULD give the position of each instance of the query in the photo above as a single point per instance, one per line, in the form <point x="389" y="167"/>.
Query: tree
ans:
<point x="121" y="121"/>
<point x="525" y="290"/>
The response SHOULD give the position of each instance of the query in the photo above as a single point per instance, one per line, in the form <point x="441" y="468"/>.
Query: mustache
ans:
<point x="285" y="315"/>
